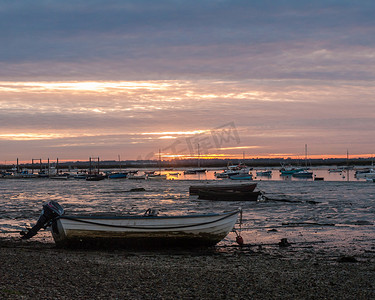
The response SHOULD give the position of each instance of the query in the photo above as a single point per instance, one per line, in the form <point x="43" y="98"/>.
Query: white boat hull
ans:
<point x="163" y="231"/>
<point x="370" y="175"/>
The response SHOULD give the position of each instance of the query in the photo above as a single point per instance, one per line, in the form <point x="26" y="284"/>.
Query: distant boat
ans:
<point x="233" y="170"/>
<point x="132" y="171"/>
<point x="303" y="174"/>
<point x="137" y="177"/>
<point x="240" y="166"/>
<point x="336" y="170"/>
<point x="196" y="170"/>
<point x="95" y="177"/>
<point x="264" y="173"/>
<point x="43" y="174"/>
<point x="227" y="173"/>
<point x="80" y="175"/>
<point x="120" y="174"/>
<point x="289" y="170"/>
<point x="27" y="174"/>
<point x="243" y="176"/>
<point x="157" y="176"/>
<point x="366" y="175"/>
<point x="117" y="175"/>
<point x="149" y="172"/>
<point x="174" y="174"/>
<point x="221" y="175"/>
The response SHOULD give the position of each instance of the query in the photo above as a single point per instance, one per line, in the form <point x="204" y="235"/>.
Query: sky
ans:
<point x="127" y="79"/>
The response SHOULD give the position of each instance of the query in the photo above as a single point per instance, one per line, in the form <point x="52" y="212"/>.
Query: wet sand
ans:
<point x="34" y="270"/>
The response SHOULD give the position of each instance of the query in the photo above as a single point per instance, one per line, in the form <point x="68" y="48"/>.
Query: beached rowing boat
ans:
<point x="144" y="231"/>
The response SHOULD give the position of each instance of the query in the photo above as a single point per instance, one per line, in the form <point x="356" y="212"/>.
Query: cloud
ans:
<point x="81" y="75"/>
<point x="175" y="39"/>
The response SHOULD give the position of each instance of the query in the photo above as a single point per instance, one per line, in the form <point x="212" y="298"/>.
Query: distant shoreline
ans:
<point x="206" y="163"/>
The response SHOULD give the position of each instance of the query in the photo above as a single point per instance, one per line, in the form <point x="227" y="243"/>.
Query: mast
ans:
<point x="199" y="163"/>
<point x="159" y="162"/>
<point x="347" y="164"/>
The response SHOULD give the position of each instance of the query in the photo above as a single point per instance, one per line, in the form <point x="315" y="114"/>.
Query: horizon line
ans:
<point x="196" y="157"/>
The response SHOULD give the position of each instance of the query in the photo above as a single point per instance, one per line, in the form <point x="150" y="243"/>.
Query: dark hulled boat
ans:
<point x="228" y="195"/>
<point x="246" y="187"/>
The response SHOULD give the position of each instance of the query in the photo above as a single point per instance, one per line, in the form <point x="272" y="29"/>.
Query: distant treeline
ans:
<point x="207" y="163"/>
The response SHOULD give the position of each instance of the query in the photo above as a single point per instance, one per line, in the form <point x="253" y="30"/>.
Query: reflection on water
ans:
<point x="346" y="175"/>
<point x="325" y="213"/>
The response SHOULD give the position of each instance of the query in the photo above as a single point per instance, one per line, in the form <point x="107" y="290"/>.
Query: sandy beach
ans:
<point x="34" y="270"/>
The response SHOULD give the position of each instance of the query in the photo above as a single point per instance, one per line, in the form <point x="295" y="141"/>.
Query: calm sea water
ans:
<point x="336" y="214"/>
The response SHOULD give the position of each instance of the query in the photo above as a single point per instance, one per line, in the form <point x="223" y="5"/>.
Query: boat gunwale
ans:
<point x="221" y="217"/>
<point x="140" y="217"/>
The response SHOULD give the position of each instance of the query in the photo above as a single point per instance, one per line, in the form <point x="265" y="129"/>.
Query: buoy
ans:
<point x="239" y="240"/>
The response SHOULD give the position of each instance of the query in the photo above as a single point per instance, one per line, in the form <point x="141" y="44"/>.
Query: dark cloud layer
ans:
<point x="160" y="39"/>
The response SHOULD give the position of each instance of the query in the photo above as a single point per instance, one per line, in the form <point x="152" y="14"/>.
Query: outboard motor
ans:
<point x="50" y="212"/>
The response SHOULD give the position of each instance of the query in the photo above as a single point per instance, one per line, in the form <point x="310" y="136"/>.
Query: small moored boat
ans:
<point x="95" y="177"/>
<point x="242" y="187"/>
<point x="228" y="195"/>
<point x="157" y="176"/>
<point x="195" y="171"/>
<point x="243" y="176"/>
<point x="303" y="174"/>
<point x="266" y="173"/>
<point x="117" y="175"/>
